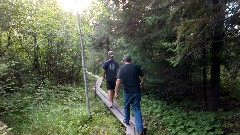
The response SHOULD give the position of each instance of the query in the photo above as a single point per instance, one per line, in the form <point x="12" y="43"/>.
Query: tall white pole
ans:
<point x="83" y="65"/>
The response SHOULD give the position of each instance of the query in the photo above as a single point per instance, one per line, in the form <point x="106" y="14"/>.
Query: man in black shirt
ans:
<point x="132" y="77"/>
<point x="110" y="69"/>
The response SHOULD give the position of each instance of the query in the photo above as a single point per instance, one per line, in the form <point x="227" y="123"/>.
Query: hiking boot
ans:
<point x="140" y="133"/>
<point x="126" y="122"/>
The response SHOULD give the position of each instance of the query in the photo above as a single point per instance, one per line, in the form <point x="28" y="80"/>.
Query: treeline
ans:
<point x="187" y="48"/>
<point x="39" y="42"/>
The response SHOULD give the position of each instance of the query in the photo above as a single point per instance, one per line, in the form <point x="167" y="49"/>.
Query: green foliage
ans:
<point x="179" y="118"/>
<point x="231" y="88"/>
<point x="171" y="40"/>
<point x="184" y="117"/>
<point x="39" y="41"/>
<point x="177" y="45"/>
<point x="56" y="110"/>
<point x="13" y="74"/>
<point x="3" y="68"/>
<point x="152" y="20"/>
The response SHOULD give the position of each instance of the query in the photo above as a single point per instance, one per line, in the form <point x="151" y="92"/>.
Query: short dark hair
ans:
<point x="127" y="58"/>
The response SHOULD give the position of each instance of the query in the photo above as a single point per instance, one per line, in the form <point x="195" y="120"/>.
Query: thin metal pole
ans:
<point x="83" y="65"/>
<point x="94" y="63"/>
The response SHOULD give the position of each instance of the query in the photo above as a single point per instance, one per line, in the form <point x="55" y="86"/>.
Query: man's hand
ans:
<point x="142" y="84"/>
<point x="116" y="88"/>
<point x="104" y="75"/>
<point x="116" y="95"/>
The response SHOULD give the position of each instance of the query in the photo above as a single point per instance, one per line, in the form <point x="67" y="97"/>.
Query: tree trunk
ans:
<point x="36" y="65"/>
<point x="107" y="42"/>
<point x="9" y="38"/>
<point x="58" y="76"/>
<point x="218" y="35"/>
<point x="204" y="75"/>
<point x="1" y="50"/>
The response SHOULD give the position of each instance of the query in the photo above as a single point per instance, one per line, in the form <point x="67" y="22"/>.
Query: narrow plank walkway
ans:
<point x="117" y="110"/>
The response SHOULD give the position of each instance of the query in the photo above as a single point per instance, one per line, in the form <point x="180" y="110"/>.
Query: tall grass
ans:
<point x="61" y="110"/>
<point x="58" y="110"/>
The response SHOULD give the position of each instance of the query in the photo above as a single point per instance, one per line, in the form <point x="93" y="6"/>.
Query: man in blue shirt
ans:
<point x="132" y="77"/>
<point x="110" y="69"/>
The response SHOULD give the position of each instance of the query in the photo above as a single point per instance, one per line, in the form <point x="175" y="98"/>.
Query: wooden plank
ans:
<point x="117" y="110"/>
<point x="115" y="104"/>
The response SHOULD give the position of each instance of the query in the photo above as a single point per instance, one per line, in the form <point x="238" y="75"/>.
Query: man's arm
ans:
<point x="143" y="78"/>
<point x="104" y="74"/>
<point x="116" y="88"/>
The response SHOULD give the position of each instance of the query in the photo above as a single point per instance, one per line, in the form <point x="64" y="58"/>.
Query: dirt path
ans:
<point x="4" y="130"/>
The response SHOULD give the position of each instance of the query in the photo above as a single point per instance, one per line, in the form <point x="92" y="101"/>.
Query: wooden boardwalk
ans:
<point x="117" y="110"/>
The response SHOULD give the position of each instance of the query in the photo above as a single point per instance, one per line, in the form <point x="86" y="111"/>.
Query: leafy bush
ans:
<point x="57" y="110"/>
<point x="177" y="120"/>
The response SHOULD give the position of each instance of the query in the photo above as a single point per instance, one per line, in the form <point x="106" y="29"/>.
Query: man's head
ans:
<point x="127" y="58"/>
<point x="110" y="54"/>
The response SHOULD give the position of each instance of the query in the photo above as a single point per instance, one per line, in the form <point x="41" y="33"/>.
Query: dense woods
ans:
<point x="185" y="52"/>
<point x="188" y="49"/>
<point x="39" y="42"/>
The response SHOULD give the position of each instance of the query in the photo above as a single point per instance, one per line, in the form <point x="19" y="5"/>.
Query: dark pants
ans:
<point x="111" y="85"/>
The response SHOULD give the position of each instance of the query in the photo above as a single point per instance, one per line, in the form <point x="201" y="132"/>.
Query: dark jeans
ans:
<point x="135" y="100"/>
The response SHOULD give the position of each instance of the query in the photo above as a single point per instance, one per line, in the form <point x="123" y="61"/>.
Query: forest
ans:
<point x="188" y="49"/>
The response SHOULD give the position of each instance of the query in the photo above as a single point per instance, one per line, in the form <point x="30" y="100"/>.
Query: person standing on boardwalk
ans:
<point x="110" y="69"/>
<point x="132" y="77"/>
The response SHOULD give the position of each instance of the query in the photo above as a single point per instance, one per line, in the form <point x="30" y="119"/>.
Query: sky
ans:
<point x="74" y="5"/>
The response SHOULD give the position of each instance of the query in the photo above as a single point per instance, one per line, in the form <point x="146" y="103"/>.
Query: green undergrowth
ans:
<point x="180" y="119"/>
<point x="59" y="110"/>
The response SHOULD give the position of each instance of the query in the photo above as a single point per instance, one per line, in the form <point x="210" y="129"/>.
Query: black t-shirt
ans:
<point x="111" y="67"/>
<point x="129" y="74"/>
